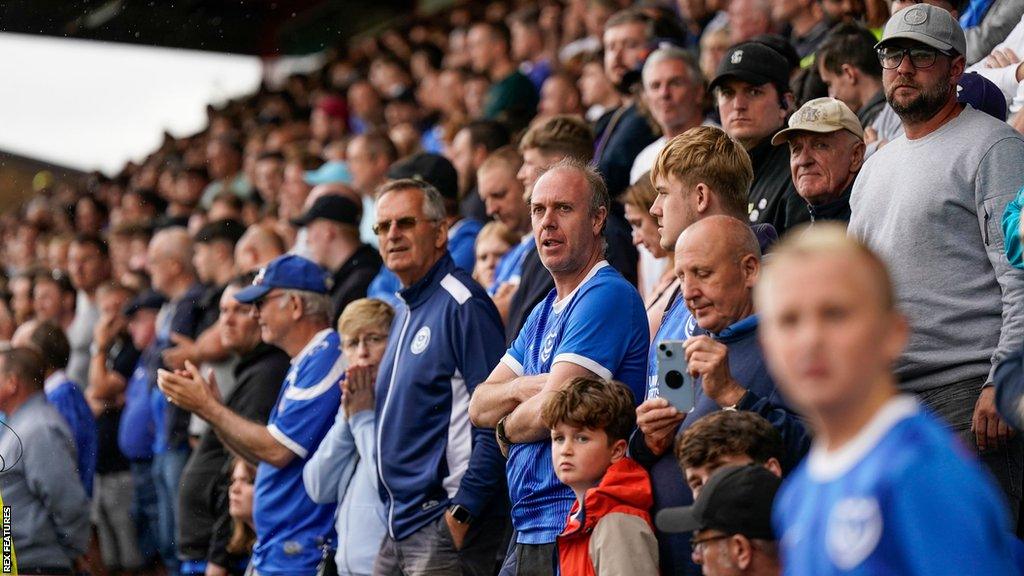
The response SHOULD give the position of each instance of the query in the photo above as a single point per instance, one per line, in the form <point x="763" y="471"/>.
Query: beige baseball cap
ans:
<point x="822" y="115"/>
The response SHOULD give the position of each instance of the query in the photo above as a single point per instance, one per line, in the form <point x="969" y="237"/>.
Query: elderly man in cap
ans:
<point x="753" y="96"/>
<point x="332" y="241"/>
<point x="291" y="302"/>
<point x="826" y="150"/>
<point x="940" y="235"/>
<point x="731" y="522"/>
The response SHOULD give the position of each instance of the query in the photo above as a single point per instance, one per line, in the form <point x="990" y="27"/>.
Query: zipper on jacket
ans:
<point x="987" y="218"/>
<point x="380" y="423"/>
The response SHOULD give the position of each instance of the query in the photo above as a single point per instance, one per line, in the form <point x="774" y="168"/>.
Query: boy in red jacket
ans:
<point x="609" y="530"/>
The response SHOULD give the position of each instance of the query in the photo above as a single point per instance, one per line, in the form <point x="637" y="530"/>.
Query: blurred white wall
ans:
<point x="95" y="105"/>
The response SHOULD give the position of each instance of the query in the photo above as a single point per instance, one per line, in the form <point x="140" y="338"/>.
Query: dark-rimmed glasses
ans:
<point x="699" y="545"/>
<point x="891" y="58"/>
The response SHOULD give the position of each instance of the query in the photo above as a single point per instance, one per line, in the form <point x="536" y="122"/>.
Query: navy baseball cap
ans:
<point x="290" y="272"/>
<point x="149" y="300"/>
<point x="982" y="94"/>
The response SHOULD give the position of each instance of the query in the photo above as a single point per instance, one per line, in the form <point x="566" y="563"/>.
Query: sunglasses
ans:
<point x="407" y="223"/>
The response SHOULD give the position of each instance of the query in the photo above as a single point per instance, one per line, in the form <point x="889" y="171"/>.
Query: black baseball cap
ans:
<point x="736" y="500"/>
<point x="755" y="63"/>
<point x="334" y="207"/>
<point x="433" y="169"/>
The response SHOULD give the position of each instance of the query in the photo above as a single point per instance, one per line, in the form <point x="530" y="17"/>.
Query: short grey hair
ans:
<point x="667" y="52"/>
<point x="433" y="201"/>
<point x="595" y="182"/>
<point x="314" y="304"/>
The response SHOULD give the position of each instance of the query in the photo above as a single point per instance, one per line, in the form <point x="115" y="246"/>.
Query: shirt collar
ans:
<point x="54" y="381"/>
<point x="560" y="304"/>
<point x="825" y="465"/>
<point x="738" y="329"/>
<point x="316" y="339"/>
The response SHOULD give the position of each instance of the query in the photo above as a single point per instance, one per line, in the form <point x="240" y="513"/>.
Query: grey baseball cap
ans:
<point x="928" y="25"/>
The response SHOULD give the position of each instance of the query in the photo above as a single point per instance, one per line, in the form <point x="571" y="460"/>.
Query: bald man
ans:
<point x="169" y="263"/>
<point x="256" y="248"/>
<point x="718" y="261"/>
<point x="881" y="468"/>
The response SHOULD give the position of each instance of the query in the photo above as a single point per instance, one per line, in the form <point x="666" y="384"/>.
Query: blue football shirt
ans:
<point x="601" y="326"/>
<point x="289" y="526"/>
<point x="903" y="497"/>
<point x="678" y="324"/>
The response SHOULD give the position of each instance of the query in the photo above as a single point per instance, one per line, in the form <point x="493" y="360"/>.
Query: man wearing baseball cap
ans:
<point x="331" y="227"/>
<point x="752" y="91"/>
<point x="291" y="303"/>
<point x="930" y="203"/>
<point x="826" y="150"/>
<point x="731" y="522"/>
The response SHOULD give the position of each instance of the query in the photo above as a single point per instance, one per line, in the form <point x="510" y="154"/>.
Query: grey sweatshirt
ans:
<point x="931" y="207"/>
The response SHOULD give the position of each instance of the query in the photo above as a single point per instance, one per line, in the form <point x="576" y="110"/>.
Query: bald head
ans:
<point x="732" y="237"/>
<point x="336" y="188"/>
<point x="258" y="246"/>
<point x="717" y="261"/>
<point x="172" y="244"/>
<point x="23" y="335"/>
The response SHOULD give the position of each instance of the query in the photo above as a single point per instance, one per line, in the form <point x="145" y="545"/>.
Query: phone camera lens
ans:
<point x="674" y="379"/>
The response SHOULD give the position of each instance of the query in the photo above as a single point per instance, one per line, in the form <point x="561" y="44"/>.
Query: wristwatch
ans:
<point x="460" y="513"/>
<point x="499" y="432"/>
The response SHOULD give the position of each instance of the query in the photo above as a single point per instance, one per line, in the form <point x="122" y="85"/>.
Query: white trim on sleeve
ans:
<point x="512" y="364"/>
<point x="286" y="441"/>
<point x="584" y="362"/>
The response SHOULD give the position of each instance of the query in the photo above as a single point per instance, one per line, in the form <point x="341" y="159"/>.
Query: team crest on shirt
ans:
<point x="547" y="346"/>
<point x="420" y="341"/>
<point x="853" y="531"/>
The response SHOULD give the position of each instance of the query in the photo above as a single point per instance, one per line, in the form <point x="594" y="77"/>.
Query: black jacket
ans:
<point x="353" y="278"/>
<point x="773" y="199"/>
<point x="203" y="497"/>
<point x="837" y="210"/>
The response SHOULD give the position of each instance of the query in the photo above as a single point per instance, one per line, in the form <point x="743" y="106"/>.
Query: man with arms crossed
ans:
<point x="592" y="324"/>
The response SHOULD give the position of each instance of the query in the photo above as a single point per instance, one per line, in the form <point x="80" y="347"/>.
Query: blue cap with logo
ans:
<point x="290" y="272"/>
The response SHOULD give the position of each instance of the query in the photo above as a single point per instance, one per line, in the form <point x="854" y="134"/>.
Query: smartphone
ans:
<point x="674" y="381"/>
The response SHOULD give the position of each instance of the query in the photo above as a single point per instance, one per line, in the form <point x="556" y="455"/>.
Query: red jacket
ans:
<point x="624" y="542"/>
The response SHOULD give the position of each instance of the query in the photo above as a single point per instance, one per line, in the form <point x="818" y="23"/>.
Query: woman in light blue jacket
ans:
<point x="344" y="467"/>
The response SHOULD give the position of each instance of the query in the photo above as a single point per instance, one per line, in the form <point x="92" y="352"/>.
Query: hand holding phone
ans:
<point x="675" y="383"/>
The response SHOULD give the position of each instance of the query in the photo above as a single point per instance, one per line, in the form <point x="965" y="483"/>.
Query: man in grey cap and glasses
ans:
<point x="731" y="522"/>
<point x="930" y="203"/>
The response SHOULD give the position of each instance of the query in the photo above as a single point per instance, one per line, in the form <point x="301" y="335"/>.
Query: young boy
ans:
<point x="609" y="528"/>
<point x="886" y="488"/>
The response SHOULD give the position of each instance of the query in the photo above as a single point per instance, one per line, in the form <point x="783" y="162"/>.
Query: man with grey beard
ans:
<point x="930" y="203"/>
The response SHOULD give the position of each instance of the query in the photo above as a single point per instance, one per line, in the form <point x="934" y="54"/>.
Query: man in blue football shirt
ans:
<point x="592" y="324"/>
<point x="886" y="488"/>
<point x="292" y="305"/>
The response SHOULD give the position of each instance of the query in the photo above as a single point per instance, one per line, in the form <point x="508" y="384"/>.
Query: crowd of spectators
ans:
<point x="501" y="290"/>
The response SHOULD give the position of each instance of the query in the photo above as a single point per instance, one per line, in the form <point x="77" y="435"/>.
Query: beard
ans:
<point x="925" y="105"/>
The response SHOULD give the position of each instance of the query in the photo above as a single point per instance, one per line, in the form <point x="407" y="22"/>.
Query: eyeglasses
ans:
<point x="408" y="223"/>
<point x="698" y="545"/>
<point x="891" y="58"/>
<point x="368" y="339"/>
